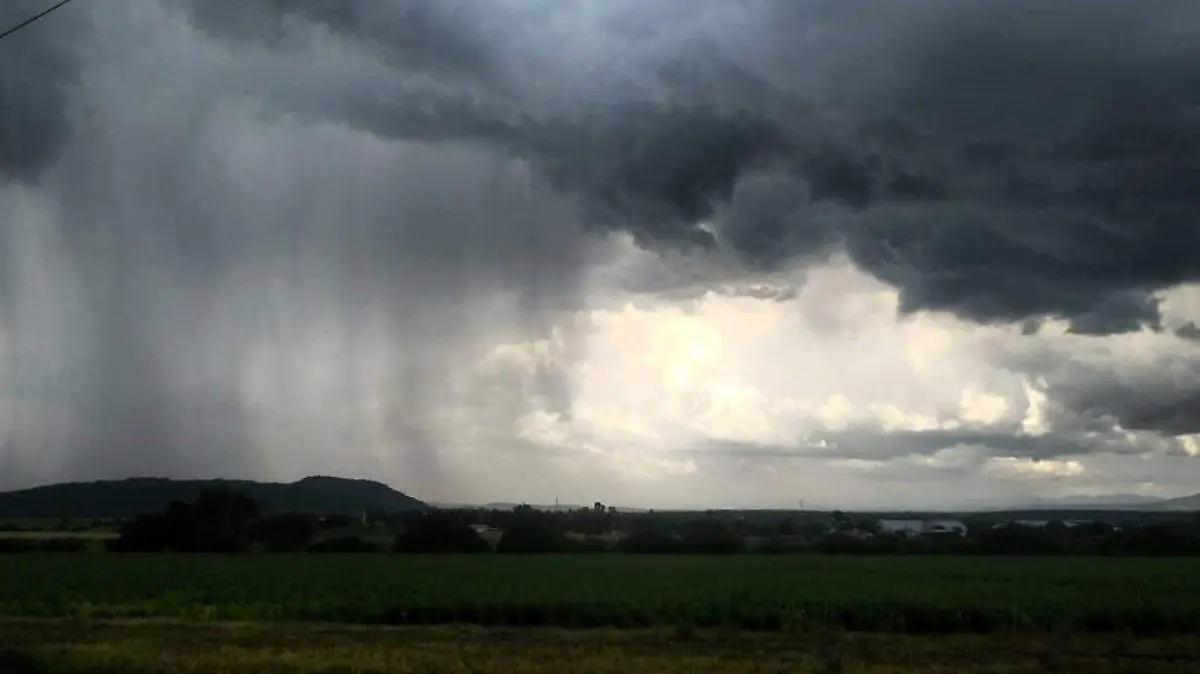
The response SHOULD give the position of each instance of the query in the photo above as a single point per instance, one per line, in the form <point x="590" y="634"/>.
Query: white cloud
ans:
<point x="981" y="408"/>
<point x="1008" y="466"/>
<point x="712" y="395"/>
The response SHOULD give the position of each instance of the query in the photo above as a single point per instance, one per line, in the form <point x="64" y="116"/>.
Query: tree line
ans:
<point x="224" y="520"/>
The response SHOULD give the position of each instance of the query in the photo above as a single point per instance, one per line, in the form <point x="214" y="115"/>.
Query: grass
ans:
<point x="140" y="647"/>
<point x="917" y="595"/>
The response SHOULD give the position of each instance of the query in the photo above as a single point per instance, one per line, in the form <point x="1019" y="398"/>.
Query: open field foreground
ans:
<point x="917" y="595"/>
<point x="149" y="647"/>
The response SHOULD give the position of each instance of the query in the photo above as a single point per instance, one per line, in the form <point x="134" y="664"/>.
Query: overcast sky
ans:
<point x="668" y="253"/>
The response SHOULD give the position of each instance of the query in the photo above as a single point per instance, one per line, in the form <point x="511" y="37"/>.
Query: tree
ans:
<point x="148" y="533"/>
<point x="841" y="521"/>
<point x="869" y="526"/>
<point x="223" y="518"/>
<point x="441" y="533"/>
<point x="532" y="536"/>
<point x="219" y="521"/>
<point x="713" y="538"/>
<point x="291" y="532"/>
<point x="650" y="543"/>
<point x="374" y="517"/>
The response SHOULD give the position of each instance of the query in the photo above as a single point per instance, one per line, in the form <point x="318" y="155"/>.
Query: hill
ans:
<point x="1099" y="502"/>
<point x="135" y="496"/>
<point x="1183" y="503"/>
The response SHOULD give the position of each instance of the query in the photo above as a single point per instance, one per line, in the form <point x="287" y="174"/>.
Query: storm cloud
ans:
<point x="1091" y="391"/>
<point x="33" y="91"/>
<point x="193" y="281"/>
<point x="996" y="160"/>
<point x="241" y="234"/>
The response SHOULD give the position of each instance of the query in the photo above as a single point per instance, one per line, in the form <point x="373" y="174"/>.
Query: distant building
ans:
<point x="923" y="527"/>
<point x="945" y="527"/>
<point x="489" y="534"/>
<point x="902" y="527"/>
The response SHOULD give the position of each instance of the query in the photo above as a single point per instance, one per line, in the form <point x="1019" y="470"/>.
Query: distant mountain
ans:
<point x="1177" y="504"/>
<point x="1117" y="502"/>
<point x="1100" y="502"/>
<point x="135" y="496"/>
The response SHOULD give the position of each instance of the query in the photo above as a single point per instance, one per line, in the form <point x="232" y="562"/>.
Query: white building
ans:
<point x="902" y="527"/>
<point x="923" y="527"/>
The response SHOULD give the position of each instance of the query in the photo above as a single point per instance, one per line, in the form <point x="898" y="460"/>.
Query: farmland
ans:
<point x="877" y="594"/>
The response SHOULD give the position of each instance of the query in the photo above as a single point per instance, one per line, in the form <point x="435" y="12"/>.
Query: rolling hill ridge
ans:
<point x="1182" y="503"/>
<point x="139" y="495"/>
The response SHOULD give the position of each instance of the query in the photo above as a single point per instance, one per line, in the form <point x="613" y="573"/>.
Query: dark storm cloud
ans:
<point x="657" y="171"/>
<point x="1001" y="161"/>
<point x="655" y="168"/>
<point x="1029" y="159"/>
<point x="439" y="35"/>
<point x="36" y="67"/>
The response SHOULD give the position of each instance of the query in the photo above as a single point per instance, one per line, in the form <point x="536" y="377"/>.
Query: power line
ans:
<point x="35" y="17"/>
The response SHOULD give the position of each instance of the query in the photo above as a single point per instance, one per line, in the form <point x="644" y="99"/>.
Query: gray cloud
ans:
<point x="1189" y="330"/>
<point x="872" y="443"/>
<point x="419" y="34"/>
<point x="985" y="158"/>
<point x="207" y="290"/>
<point x="1089" y="392"/>
<point x="1044" y="155"/>
<point x="36" y="71"/>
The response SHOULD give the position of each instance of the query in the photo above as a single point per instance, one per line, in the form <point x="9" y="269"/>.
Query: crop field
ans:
<point x="918" y="595"/>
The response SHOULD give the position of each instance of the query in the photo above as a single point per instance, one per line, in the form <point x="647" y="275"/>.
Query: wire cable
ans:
<point x="40" y="15"/>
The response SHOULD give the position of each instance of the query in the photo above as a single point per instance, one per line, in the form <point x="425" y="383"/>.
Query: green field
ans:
<point x="898" y="594"/>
